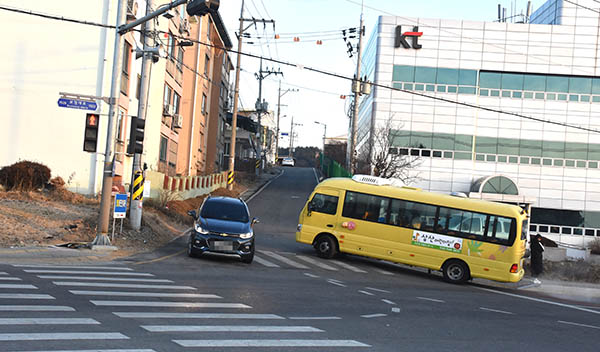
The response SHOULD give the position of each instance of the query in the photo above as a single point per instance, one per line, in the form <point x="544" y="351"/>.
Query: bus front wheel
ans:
<point x="326" y="247"/>
<point x="456" y="271"/>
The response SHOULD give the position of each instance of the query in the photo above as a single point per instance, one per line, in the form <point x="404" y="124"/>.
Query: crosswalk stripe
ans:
<point x="47" y="321"/>
<point x="270" y="343"/>
<point x="85" y="272"/>
<point x="228" y="328"/>
<point x="196" y="315"/>
<point x="284" y="259"/>
<point x="381" y="271"/>
<point x="144" y="294"/>
<point x="3" y="273"/>
<point x="58" y="277"/>
<point x="10" y="279"/>
<point x="63" y="336"/>
<point x="348" y="266"/>
<point x="71" y="267"/>
<point x="102" y="284"/>
<point x="317" y="263"/>
<point x="314" y="318"/>
<point x="265" y="262"/>
<point x="24" y="296"/>
<point x="22" y="308"/>
<point x="168" y="304"/>
<point x="27" y="287"/>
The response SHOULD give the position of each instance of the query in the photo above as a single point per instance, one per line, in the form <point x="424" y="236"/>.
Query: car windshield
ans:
<point x="224" y="211"/>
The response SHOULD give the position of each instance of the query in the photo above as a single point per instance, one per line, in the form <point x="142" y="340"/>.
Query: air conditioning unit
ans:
<point x="168" y="110"/>
<point x="177" y="121"/>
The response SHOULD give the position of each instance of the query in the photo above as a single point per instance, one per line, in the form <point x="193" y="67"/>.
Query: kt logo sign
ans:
<point x="401" y="38"/>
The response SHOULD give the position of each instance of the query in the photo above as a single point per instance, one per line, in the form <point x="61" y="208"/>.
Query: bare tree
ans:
<point x="384" y="159"/>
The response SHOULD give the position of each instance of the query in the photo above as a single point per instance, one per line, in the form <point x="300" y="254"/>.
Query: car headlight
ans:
<point x="199" y="228"/>
<point x="246" y="235"/>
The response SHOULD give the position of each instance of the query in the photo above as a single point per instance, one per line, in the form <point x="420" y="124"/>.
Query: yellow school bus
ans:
<point x="369" y="216"/>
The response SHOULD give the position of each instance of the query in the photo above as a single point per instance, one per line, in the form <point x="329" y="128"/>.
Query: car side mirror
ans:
<point x="192" y="213"/>
<point x="255" y="221"/>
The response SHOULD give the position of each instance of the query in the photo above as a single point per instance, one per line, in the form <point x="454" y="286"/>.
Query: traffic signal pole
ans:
<point x="135" y="205"/>
<point x="102" y="238"/>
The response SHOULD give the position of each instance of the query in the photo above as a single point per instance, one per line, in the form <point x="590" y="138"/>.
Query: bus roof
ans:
<point x="413" y="194"/>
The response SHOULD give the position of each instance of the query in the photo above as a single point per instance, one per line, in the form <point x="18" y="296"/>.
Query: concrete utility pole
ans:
<point x="135" y="208"/>
<point x="261" y="106"/>
<point x="291" y="153"/>
<point x="356" y="89"/>
<point x="102" y="238"/>
<point x="236" y="94"/>
<point x="278" y="112"/>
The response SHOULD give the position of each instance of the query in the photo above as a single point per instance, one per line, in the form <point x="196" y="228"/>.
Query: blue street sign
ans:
<point x="77" y="104"/>
<point x="120" y="205"/>
<point x="285" y="134"/>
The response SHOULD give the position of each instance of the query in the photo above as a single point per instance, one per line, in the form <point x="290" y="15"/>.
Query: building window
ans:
<point x="171" y="47"/>
<point x="125" y="69"/>
<point x="167" y="96"/>
<point x="176" y="103"/>
<point x="204" y="107"/>
<point x="180" y="58"/>
<point x="138" y="86"/>
<point x="120" y="119"/>
<point x="206" y="65"/>
<point x="162" y="156"/>
<point x="208" y="30"/>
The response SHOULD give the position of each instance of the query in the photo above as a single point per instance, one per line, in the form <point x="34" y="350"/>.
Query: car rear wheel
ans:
<point x="326" y="247"/>
<point x="456" y="271"/>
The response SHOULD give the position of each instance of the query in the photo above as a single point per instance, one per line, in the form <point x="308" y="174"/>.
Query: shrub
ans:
<point x="595" y="246"/>
<point x="24" y="176"/>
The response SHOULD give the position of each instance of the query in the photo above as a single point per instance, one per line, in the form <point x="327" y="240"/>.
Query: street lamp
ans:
<point x="324" y="134"/>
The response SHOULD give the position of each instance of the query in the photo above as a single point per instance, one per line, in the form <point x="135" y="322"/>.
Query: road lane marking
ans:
<point x="314" y="318"/>
<point x="378" y="315"/>
<point x="312" y="275"/>
<point x="24" y="296"/>
<point x="366" y="293"/>
<point x="22" y="308"/>
<point x="496" y="310"/>
<point x="63" y="336"/>
<point x="59" y="277"/>
<point x="333" y="282"/>
<point x="377" y="290"/>
<point x="265" y="262"/>
<point x="168" y="304"/>
<point x="396" y="310"/>
<point x="316" y="262"/>
<point x="540" y="300"/>
<point x="316" y="177"/>
<point x="47" y="321"/>
<point x="33" y="271"/>
<point x="143" y="294"/>
<point x="96" y="350"/>
<point x="284" y="259"/>
<point x="166" y="256"/>
<point x="197" y="315"/>
<point x="578" y="324"/>
<point x="102" y="284"/>
<point x="3" y="273"/>
<point x="26" y="287"/>
<point x="71" y="267"/>
<point x="388" y="301"/>
<point x="348" y="266"/>
<point x="10" y="279"/>
<point x="270" y="343"/>
<point x="431" y="299"/>
<point x="228" y="328"/>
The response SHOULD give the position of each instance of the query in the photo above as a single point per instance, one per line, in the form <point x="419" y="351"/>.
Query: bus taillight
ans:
<point x="514" y="268"/>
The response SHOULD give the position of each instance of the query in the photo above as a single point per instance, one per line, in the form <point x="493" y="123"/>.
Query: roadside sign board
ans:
<point x="77" y="104"/>
<point x="120" y="205"/>
<point x="285" y="134"/>
<point x="146" y="192"/>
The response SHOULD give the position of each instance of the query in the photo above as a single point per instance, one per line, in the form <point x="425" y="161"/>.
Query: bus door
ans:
<point x="321" y="213"/>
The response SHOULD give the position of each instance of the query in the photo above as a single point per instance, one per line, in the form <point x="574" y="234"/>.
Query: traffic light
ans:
<point x="90" y="136"/>
<point x="136" y="136"/>
<point x="202" y="7"/>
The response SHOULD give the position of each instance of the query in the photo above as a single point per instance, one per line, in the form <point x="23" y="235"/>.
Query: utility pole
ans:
<point x="102" y="238"/>
<point x="236" y="94"/>
<point x="291" y="153"/>
<point x="261" y="106"/>
<point x="356" y="86"/>
<point x="278" y="112"/>
<point x="135" y="207"/>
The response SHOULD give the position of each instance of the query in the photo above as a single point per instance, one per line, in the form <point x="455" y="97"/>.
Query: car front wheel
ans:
<point x="247" y="258"/>
<point x="192" y="253"/>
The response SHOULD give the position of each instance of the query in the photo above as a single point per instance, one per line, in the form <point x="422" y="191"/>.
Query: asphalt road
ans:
<point x="286" y="300"/>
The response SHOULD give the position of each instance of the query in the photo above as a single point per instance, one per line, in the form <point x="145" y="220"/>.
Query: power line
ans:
<point x="54" y="17"/>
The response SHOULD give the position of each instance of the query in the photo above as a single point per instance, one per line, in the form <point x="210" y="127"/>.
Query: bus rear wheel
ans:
<point x="326" y="247"/>
<point x="456" y="271"/>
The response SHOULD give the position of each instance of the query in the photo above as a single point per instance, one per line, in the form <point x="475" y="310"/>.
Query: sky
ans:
<point x="319" y="96"/>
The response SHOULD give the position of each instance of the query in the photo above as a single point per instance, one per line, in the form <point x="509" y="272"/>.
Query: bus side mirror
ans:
<point x="309" y="208"/>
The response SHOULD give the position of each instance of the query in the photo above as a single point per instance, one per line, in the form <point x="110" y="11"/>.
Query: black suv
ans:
<point x="222" y="225"/>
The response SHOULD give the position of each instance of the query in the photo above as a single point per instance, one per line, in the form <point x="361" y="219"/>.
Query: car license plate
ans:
<point x="222" y="245"/>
